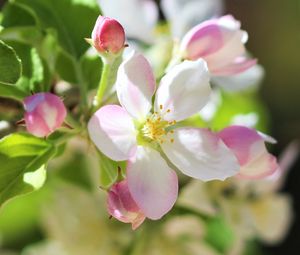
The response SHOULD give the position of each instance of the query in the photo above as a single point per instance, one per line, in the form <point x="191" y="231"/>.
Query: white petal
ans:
<point x="152" y="184"/>
<point x="113" y="132"/>
<point x="185" y="89"/>
<point x="135" y="85"/>
<point x="199" y="153"/>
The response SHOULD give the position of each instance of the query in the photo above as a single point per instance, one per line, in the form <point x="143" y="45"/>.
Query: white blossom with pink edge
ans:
<point x="44" y="113"/>
<point x="249" y="147"/>
<point x="121" y="205"/>
<point x="220" y="42"/>
<point x="134" y="133"/>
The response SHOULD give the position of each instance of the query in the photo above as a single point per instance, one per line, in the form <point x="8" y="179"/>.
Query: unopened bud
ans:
<point x="122" y="206"/>
<point x="108" y="36"/>
<point x="44" y="113"/>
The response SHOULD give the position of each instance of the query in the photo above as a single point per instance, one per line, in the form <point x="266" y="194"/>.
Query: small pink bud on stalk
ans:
<point x="108" y="36"/>
<point x="121" y="205"/>
<point x="44" y="113"/>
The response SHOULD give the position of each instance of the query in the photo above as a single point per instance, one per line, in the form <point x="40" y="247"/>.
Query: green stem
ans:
<point x="102" y="85"/>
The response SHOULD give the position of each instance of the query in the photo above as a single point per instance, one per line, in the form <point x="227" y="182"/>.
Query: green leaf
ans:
<point x="10" y="64"/>
<point x="66" y="16"/>
<point x="91" y="67"/>
<point x="65" y="67"/>
<point x="29" y="35"/>
<point x="21" y="154"/>
<point x="34" y="76"/>
<point x="12" y="92"/>
<point x="37" y="77"/>
<point x="15" y="14"/>
<point x="109" y="170"/>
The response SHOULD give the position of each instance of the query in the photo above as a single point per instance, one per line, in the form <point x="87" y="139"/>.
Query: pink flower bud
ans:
<point x="220" y="42"/>
<point x="250" y="150"/>
<point x="108" y="35"/>
<point x="122" y="206"/>
<point x="45" y="113"/>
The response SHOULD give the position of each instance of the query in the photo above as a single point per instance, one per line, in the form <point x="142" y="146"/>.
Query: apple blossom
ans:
<point x="108" y="36"/>
<point x="249" y="148"/>
<point x="44" y="113"/>
<point x="132" y="132"/>
<point x="121" y="205"/>
<point x="220" y="42"/>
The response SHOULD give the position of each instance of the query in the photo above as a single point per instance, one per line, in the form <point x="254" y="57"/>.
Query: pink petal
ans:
<point x="135" y="85"/>
<point x="209" y="37"/>
<point x="152" y="184"/>
<point x="121" y="205"/>
<point x="113" y="132"/>
<point x="220" y="42"/>
<point x="184" y="90"/>
<point x="36" y="125"/>
<point x="250" y="150"/>
<point x="202" y="40"/>
<point x="240" y="65"/>
<point x="201" y="154"/>
<point x="233" y="49"/>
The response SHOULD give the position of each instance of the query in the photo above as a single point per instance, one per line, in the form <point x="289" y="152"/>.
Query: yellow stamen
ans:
<point x="155" y="127"/>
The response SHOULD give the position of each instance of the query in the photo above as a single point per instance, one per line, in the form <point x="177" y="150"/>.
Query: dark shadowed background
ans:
<point x="274" y="38"/>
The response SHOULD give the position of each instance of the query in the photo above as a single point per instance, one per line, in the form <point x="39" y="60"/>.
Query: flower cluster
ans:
<point x="137" y="110"/>
<point x="147" y="129"/>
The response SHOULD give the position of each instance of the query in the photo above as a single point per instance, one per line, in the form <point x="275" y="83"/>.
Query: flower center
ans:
<point x="156" y="127"/>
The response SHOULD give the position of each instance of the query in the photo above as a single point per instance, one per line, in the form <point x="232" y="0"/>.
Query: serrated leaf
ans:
<point x="20" y="154"/>
<point x="10" y="64"/>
